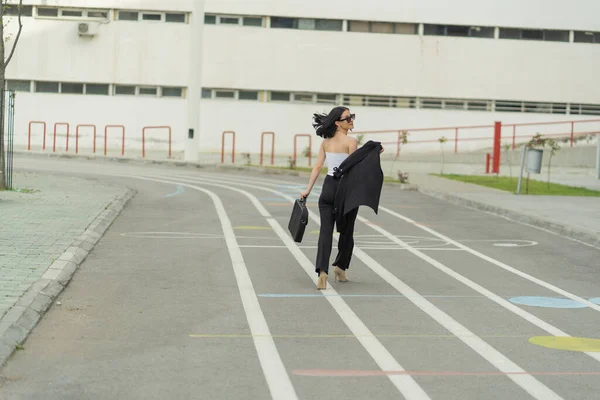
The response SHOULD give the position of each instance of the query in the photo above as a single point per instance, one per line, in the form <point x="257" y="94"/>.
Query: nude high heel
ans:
<point x="322" y="283"/>
<point x="340" y="274"/>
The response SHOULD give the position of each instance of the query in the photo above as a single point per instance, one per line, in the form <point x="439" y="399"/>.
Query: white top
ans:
<point x="334" y="160"/>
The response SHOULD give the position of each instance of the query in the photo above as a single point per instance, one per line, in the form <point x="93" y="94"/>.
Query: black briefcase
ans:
<point x="298" y="220"/>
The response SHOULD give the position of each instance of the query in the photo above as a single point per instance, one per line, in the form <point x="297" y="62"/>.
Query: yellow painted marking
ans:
<point x="253" y="228"/>
<point x="339" y="336"/>
<point x="567" y="343"/>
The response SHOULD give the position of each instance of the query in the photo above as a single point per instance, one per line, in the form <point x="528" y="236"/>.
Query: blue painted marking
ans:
<point x="179" y="190"/>
<point x="548" y="302"/>
<point x="595" y="300"/>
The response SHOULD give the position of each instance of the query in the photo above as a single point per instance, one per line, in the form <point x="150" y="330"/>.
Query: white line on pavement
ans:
<point x="276" y="375"/>
<point x="527" y="382"/>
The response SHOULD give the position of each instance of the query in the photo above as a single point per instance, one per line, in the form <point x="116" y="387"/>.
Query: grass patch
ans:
<point x="508" y="184"/>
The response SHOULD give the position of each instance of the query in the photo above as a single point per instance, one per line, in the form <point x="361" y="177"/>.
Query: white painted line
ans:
<point x="495" y="262"/>
<point x="527" y="382"/>
<point x="405" y="384"/>
<point x="276" y="375"/>
<point x="475" y="253"/>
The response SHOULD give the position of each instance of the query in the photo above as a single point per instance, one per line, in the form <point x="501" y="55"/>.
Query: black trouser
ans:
<point x="346" y="241"/>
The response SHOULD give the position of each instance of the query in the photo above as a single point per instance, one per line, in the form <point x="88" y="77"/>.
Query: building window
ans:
<point x="125" y="90"/>
<point x="286" y="23"/>
<point x="253" y="21"/>
<point x="96" y="88"/>
<point x="172" y="92"/>
<point x="320" y="24"/>
<point x="382" y="27"/>
<point x="248" y="95"/>
<point x="326" y="98"/>
<point x="13" y="10"/>
<point x="510" y="33"/>
<point x="509" y="106"/>
<point x="46" y="87"/>
<point x="359" y="26"/>
<point x="18" y="86"/>
<point x="175" y="17"/>
<point x="128" y="16"/>
<point x="148" y="91"/>
<point x="151" y="17"/>
<point x="587" y="37"/>
<point x="556" y="36"/>
<point x="98" y="14"/>
<point x="225" y="94"/>
<point x="210" y="19"/>
<point x="585" y="109"/>
<point x="454" y="105"/>
<point x="47" y="12"/>
<point x="431" y="103"/>
<point x="458" y="31"/>
<point x="280" y="96"/>
<point x="206" y="93"/>
<point x="71" y="88"/>
<point x="475" y="105"/>
<point x="71" y="13"/>
<point x="304" y="97"/>
<point x="532" y="34"/>
<point x="229" y="20"/>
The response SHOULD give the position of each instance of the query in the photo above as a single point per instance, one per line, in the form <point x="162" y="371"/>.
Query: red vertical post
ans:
<point x="514" y="136"/>
<point x="572" y="132"/>
<point x="487" y="163"/>
<point x="496" y="155"/>
<point x="456" y="140"/>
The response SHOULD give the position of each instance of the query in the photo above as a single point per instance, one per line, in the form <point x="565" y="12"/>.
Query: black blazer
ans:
<point x="361" y="181"/>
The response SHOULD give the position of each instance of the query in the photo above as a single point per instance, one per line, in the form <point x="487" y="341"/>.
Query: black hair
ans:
<point x="325" y="123"/>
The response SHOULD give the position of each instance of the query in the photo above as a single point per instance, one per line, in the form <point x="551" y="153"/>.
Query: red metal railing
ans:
<point x="570" y="124"/>
<point x="122" y="127"/>
<point x="262" y="139"/>
<point x="144" y="138"/>
<point x="77" y="136"/>
<point x="68" y="128"/>
<point x="29" y="134"/>
<point x="223" y="146"/>
<point x="309" y="147"/>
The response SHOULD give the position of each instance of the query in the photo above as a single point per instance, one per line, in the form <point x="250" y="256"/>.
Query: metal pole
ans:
<point x="523" y="152"/>
<point x="194" y="92"/>
<point x="598" y="156"/>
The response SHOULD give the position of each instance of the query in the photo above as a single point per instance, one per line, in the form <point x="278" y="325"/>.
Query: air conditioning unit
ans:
<point x="87" y="29"/>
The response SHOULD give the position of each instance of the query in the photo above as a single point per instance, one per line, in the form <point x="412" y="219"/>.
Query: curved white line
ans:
<point x="275" y="373"/>
<point x="527" y="382"/>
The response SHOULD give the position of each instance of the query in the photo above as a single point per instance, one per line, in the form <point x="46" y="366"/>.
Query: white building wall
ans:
<point x="401" y="65"/>
<point x="541" y="14"/>
<point x="152" y="53"/>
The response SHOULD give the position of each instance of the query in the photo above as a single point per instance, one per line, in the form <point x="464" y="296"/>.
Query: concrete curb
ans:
<point x="20" y="320"/>
<point x="563" y="230"/>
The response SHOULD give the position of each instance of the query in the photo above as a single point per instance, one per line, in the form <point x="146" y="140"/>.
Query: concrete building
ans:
<point x="121" y="65"/>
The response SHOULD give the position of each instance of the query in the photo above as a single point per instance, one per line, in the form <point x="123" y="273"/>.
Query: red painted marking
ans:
<point x="355" y="373"/>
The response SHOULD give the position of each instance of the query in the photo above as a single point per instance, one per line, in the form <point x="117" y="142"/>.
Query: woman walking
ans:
<point x="336" y="147"/>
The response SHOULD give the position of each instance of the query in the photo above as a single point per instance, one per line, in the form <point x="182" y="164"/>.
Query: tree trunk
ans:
<point x="2" y="84"/>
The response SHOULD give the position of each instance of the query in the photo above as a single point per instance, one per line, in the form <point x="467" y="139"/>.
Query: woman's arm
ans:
<point x="315" y="172"/>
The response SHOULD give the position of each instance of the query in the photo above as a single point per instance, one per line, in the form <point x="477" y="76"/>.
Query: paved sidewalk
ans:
<point x="46" y="229"/>
<point x="571" y="216"/>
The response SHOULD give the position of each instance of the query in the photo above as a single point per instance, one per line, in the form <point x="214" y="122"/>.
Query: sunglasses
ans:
<point x="349" y="119"/>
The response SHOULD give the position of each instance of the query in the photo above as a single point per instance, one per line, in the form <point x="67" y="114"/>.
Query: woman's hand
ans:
<point x="382" y="150"/>
<point x="304" y="194"/>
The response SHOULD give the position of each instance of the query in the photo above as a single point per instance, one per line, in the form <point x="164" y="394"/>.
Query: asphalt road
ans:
<point x="198" y="292"/>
